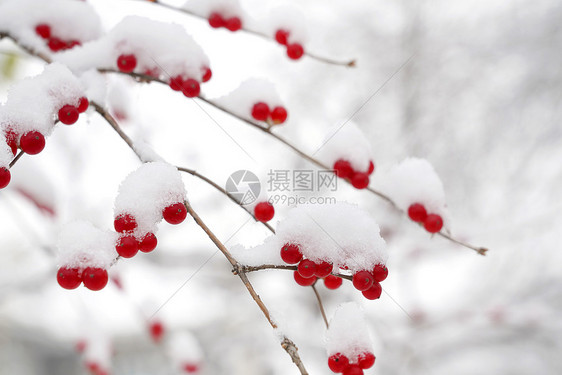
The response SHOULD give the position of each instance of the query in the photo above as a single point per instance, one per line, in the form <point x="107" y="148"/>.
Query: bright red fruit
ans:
<point x="12" y="140"/>
<point x="338" y="362"/>
<point x="362" y="280"/>
<point x="304" y="281"/>
<point x="216" y="20"/>
<point x="332" y="282"/>
<point x="127" y="63"/>
<point x="264" y="211"/>
<point x="360" y="180"/>
<point x="295" y="51"/>
<point x="433" y="223"/>
<point x="32" y="142"/>
<point x="323" y="269"/>
<point x="380" y="272"/>
<point x="69" y="278"/>
<point x="176" y="83"/>
<point x="306" y="268"/>
<point x="190" y="88"/>
<point x="260" y="111"/>
<point x="68" y="114"/>
<point x="124" y="223"/>
<point x="5" y="177"/>
<point x="95" y="278"/>
<point x="156" y="331"/>
<point x="281" y="36"/>
<point x="175" y="213"/>
<point x="417" y="212"/>
<point x="366" y="360"/>
<point x="343" y="168"/>
<point x="148" y="243"/>
<point x="190" y="368"/>
<point x="127" y="246"/>
<point x="374" y="292"/>
<point x="233" y="24"/>
<point x="207" y="74"/>
<point x="55" y="44"/>
<point x="83" y="104"/>
<point x="291" y="253"/>
<point x="278" y="115"/>
<point x="371" y="167"/>
<point x="43" y="30"/>
<point x="353" y="370"/>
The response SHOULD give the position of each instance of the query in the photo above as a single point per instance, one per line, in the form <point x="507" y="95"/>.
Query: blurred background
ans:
<point x="475" y="87"/>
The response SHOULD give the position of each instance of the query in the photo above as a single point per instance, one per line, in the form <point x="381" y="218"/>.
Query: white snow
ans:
<point x="291" y="19"/>
<point x="182" y="347"/>
<point x="83" y="245"/>
<point x="415" y="181"/>
<point x="161" y="45"/>
<point x="5" y="151"/>
<point x="226" y="8"/>
<point x="146" y="192"/>
<point x="346" y="142"/>
<point x="98" y="351"/>
<point x="348" y="333"/>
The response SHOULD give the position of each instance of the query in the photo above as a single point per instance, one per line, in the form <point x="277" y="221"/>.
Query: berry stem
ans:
<point x="320" y="304"/>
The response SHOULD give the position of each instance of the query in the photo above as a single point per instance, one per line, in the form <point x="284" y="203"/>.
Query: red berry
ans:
<point x="127" y="246"/>
<point x="11" y="140"/>
<point x="233" y="24"/>
<point x="304" y="281"/>
<point x="360" y="180"/>
<point x="362" y="280"/>
<point x="371" y="167"/>
<point x="148" y="243"/>
<point x="260" y="111"/>
<point x="338" y="362"/>
<point x="343" y="168"/>
<point x="190" y="368"/>
<point x="323" y="269"/>
<point x="433" y="223"/>
<point x="95" y="278"/>
<point x="127" y="63"/>
<point x="5" y="177"/>
<point x="124" y="223"/>
<point x="43" y="30"/>
<point x="81" y="346"/>
<point x="68" y="114"/>
<point x="374" y="292"/>
<point x="306" y="268"/>
<point x="264" y="211"/>
<point x="332" y="282"/>
<point x="278" y="115"/>
<point x="353" y="370"/>
<point x="295" y="51"/>
<point x="366" y="360"/>
<point x="156" y="331"/>
<point x="190" y="88"/>
<point x="32" y="142"/>
<point x="216" y="20"/>
<point x="207" y="74"/>
<point x="175" y="213"/>
<point x="176" y="83"/>
<point x="291" y="253"/>
<point x="83" y="104"/>
<point x="69" y="278"/>
<point x="55" y="44"/>
<point x="380" y="272"/>
<point x="417" y="212"/>
<point x="281" y="36"/>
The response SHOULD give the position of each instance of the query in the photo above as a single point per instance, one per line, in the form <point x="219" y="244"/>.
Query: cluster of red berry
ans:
<point x="129" y="244"/>
<point x="368" y="282"/>
<point x="264" y="212"/>
<point x="54" y="43"/>
<point x="339" y="363"/>
<point x="216" y="20"/>
<point x="431" y="222"/>
<point x="294" y="50"/>
<point x="359" y="180"/>
<point x="275" y="116"/>
<point x="94" y="278"/>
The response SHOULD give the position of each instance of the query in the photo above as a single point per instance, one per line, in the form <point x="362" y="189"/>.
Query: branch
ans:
<point x="350" y="63"/>
<point x="320" y="305"/>
<point x="247" y="269"/>
<point x="286" y="343"/>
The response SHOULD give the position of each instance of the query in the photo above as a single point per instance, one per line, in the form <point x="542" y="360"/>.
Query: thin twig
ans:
<point x="348" y="63"/>
<point x="18" y="156"/>
<point x="320" y="305"/>
<point x="262" y="267"/>
<point x="286" y="343"/>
